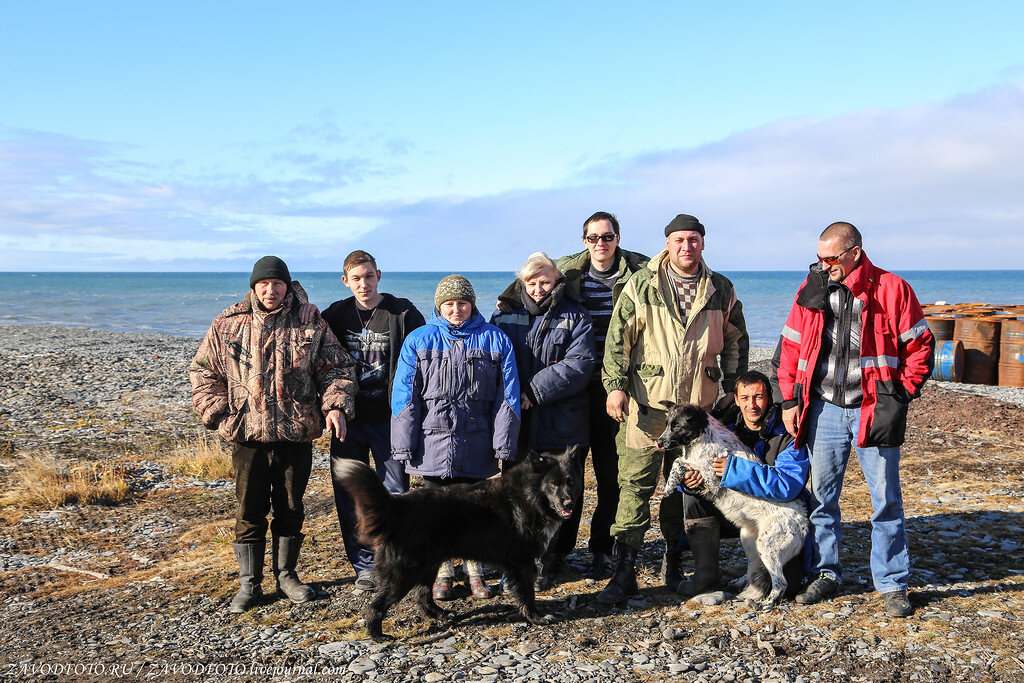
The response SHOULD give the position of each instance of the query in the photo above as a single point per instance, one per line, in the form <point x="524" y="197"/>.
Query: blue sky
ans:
<point x="443" y="136"/>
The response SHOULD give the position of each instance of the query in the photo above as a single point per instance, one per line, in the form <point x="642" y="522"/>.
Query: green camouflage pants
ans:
<point x="640" y="463"/>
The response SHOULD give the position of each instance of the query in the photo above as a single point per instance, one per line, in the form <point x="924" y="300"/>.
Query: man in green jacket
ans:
<point x="595" y="277"/>
<point x="676" y="332"/>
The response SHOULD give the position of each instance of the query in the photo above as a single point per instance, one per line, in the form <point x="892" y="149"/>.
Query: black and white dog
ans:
<point x="505" y="522"/>
<point x="771" y="533"/>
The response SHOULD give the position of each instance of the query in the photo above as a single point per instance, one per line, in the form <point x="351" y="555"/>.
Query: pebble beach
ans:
<point x="140" y="588"/>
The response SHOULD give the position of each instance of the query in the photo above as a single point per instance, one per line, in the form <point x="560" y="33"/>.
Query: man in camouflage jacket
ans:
<point x="670" y="326"/>
<point x="269" y="383"/>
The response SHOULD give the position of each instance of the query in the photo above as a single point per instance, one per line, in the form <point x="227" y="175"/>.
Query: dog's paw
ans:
<point x="541" y="619"/>
<point x="381" y="638"/>
<point x="766" y="605"/>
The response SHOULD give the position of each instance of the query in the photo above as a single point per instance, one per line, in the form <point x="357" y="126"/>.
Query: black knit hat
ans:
<point x="269" y="268"/>
<point x="684" y="221"/>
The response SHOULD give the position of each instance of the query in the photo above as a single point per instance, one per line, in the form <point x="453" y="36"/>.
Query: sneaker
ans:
<point x="897" y="604"/>
<point x="365" y="582"/>
<point x="442" y="588"/>
<point x="821" y="588"/>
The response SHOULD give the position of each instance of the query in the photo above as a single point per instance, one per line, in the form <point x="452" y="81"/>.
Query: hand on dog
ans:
<point x="718" y="464"/>
<point x="617" y="405"/>
<point x="693" y="480"/>
<point x="336" y="424"/>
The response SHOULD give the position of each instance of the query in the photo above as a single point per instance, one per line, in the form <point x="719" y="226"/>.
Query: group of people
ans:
<point x="586" y="350"/>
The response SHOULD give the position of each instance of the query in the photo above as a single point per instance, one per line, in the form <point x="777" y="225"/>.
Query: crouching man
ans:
<point x="268" y="383"/>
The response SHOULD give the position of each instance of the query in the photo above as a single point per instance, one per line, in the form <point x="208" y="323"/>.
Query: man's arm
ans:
<point x="623" y="330"/>
<point x="780" y="482"/>
<point x="916" y="343"/>
<point x="335" y="374"/>
<point x="209" y="382"/>
<point x="788" y="354"/>
<point x="736" y="346"/>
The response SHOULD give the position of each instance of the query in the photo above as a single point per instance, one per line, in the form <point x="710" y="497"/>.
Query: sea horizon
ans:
<point x="182" y="303"/>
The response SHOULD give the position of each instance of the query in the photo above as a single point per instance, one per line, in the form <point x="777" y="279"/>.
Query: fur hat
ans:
<point x="684" y="221"/>
<point x="452" y="288"/>
<point x="269" y="268"/>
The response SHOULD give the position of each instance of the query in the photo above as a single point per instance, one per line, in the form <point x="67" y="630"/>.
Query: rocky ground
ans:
<point x="94" y="593"/>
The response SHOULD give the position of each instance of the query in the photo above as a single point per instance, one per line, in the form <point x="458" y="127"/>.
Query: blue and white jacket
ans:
<point x="455" y="400"/>
<point x="784" y="474"/>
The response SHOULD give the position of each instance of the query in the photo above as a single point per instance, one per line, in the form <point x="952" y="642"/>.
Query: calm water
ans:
<point x="185" y="303"/>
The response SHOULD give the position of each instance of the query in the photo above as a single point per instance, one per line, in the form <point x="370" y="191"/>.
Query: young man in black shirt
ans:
<point x="371" y="326"/>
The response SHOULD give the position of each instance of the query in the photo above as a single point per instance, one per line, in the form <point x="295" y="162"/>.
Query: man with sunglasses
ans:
<point x="854" y="351"/>
<point x="595" y="277"/>
<point x="677" y="331"/>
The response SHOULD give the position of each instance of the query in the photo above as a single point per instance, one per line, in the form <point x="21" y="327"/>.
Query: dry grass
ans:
<point x="41" y="481"/>
<point x="206" y="456"/>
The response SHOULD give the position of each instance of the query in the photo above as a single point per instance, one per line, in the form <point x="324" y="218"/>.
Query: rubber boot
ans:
<point x="671" y="568"/>
<point x="623" y="582"/>
<point x="250" y="576"/>
<point x="286" y="555"/>
<point x="703" y="535"/>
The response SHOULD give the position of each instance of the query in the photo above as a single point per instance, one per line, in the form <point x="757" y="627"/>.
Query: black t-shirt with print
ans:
<point x="364" y="334"/>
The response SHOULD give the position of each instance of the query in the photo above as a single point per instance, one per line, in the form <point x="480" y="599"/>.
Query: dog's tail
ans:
<point x="372" y="501"/>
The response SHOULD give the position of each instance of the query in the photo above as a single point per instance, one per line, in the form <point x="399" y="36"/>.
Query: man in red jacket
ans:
<point x="854" y="352"/>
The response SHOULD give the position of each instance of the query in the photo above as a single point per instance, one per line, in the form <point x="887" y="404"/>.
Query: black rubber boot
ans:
<point x="671" y="568"/>
<point x="703" y="535"/>
<point x="250" y="576"/>
<point x="623" y="583"/>
<point x="286" y="555"/>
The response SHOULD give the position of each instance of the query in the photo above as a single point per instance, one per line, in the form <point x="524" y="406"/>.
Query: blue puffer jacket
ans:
<point x="784" y="474"/>
<point x="555" y="357"/>
<point x="455" y="400"/>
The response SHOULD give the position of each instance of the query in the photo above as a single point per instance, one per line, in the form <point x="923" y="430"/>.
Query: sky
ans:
<point x="200" y="136"/>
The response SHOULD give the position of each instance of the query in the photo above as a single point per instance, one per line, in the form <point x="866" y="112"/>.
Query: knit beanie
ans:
<point x="452" y="288"/>
<point x="684" y="221"/>
<point x="269" y="268"/>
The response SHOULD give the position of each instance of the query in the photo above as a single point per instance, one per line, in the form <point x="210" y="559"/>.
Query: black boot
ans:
<point x="671" y="568"/>
<point x="286" y="555"/>
<point x="623" y="583"/>
<point x="250" y="575"/>
<point x="703" y="535"/>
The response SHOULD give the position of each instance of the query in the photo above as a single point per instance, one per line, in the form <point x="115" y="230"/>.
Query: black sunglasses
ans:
<point x="610" y="237"/>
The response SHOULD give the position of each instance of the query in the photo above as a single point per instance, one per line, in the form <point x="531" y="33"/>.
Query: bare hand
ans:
<point x="524" y="402"/>
<point x="617" y="405"/>
<point x="789" y="416"/>
<point x="693" y="480"/>
<point x="336" y="423"/>
<point x="307" y="312"/>
<point x="719" y="466"/>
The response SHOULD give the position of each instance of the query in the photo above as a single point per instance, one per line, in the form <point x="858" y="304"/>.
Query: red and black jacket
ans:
<point x="895" y="350"/>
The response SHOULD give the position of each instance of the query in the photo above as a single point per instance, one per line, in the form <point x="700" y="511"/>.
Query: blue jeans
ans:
<point x="832" y="435"/>
<point x="360" y="441"/>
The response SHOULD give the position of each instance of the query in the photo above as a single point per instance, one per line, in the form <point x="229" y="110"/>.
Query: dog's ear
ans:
<point x="540" y="462"/>
<point x="668" y="404"/>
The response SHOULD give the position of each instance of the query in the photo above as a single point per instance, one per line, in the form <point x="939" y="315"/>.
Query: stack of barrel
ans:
<point x="978" y="343"/>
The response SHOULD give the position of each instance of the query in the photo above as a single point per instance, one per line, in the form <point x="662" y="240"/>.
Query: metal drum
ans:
<point x="1011" y="354"/>
<point x="941" y="326"/>
<point x="980" y="337"/>
<point x="949" y="361"/>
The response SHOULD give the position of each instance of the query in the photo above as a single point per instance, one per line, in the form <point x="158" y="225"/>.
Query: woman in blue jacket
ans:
<point x="553" y="339"/>
<point x="455" y="404"/>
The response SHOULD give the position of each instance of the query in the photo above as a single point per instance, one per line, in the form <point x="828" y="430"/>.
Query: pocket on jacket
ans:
<point x="889" y="426"/>
<point x="483" y="376"/>
<point x="438" y="417"/>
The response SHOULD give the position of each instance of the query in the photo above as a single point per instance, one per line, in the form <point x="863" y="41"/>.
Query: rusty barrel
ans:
<point x="1011" y="354"/>
<point x="980" y="337"/>
<point x="941" y="326"/>
<point x="948" y="363"/>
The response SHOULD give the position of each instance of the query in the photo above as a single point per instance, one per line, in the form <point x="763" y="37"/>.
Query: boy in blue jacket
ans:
<point x="782" y="477"/>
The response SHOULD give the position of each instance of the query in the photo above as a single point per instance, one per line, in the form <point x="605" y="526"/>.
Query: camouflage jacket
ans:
<point x="654" y="356"/>
<point x="266" y="377"/>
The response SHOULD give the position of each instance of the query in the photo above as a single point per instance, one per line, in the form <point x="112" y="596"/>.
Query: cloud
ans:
<point x="931" y="186"/>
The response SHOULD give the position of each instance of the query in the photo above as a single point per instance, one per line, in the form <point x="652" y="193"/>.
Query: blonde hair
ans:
<point x="536" y="262"/>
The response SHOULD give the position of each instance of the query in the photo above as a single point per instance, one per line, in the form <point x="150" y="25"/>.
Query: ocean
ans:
<point x="183" y="304"/>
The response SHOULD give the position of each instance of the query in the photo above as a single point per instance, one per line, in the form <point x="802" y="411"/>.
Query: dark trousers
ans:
<point x="362" y="440"/>
<point x="605" y="460"/>
<point x="270" y="476"/>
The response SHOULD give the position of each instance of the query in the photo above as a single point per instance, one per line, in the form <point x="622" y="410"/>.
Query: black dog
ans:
<point x="505" y="522"/>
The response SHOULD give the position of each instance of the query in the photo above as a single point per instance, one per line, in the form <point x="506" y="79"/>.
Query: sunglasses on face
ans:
<point x="832" y="260"/>
<point x="593" y="239"/>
